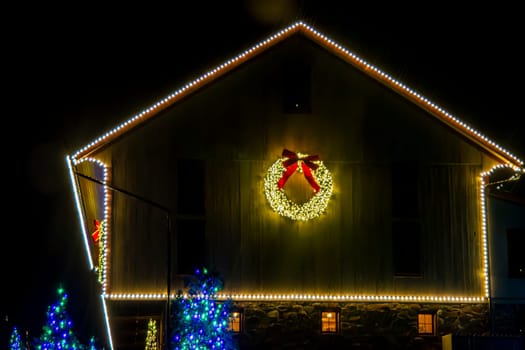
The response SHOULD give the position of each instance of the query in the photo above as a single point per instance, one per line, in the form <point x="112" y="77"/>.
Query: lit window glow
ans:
<point x="329" y="321"/>
<point x="425" y="324"/>
<point x="235" y="322"/>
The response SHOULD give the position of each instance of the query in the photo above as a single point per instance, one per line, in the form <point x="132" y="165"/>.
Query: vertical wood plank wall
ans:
<point x="358" y="127"/>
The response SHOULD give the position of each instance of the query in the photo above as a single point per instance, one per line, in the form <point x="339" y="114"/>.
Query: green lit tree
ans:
<point x="151" y="335"/>
<point x="57" y="333"/>
<point x="15" y="342"/>
<point x="91" y="345"/>
<point x="199" y="320"/>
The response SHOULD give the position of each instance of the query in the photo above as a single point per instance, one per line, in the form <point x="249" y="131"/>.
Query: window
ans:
<point x="191" y="245"/>
<point x="329" y="321"/>
<point x="406" y="245"/>
<point x="426" y="324"/>
<point x="516" y="258"/>
<point x="190" y="225"/>
<point x="235" y="321"/>
<point x="296" y="88"/>
<point x="190" y="187"/>
<point x="405" y="198"/>
<point x="406" y="248"/>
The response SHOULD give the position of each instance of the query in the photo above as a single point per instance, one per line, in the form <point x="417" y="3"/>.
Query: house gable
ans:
<point x="336" y="258"/>
<point x="371" y="131"/>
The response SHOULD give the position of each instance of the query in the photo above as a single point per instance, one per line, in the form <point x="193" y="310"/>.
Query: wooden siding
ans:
<point x="358" y="127"/>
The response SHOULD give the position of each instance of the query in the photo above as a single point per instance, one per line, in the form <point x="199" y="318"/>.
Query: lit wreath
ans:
<point x="315" y="173"/>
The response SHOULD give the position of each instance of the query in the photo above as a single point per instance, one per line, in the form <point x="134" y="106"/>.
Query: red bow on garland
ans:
<point x="291" y="164"/>
<point x="96" y="234"/>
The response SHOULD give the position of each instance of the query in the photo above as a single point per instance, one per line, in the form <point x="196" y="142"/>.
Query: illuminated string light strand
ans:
<point x="316" y="297"/>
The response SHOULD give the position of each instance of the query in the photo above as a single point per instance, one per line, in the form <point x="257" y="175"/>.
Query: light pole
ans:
<point x="168" y="244"/>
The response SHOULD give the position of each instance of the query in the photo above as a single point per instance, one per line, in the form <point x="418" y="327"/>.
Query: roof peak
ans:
<point x="337" y="49"/>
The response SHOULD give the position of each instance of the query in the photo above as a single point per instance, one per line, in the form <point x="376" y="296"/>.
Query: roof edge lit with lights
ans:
<point x="308" y="297"/>
<point x="490" y="146"/>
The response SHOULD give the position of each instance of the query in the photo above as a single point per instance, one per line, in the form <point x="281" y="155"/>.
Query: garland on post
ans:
<point x="99" y="238"/>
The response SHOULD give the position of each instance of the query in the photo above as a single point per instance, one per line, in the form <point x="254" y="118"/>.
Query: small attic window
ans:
<point x="296" y="88"/>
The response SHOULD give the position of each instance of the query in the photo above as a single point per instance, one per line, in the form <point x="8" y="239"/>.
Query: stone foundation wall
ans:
<point x="297" y="325"/>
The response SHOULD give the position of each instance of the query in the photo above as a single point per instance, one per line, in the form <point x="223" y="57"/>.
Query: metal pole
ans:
<point x="168" y="283"/>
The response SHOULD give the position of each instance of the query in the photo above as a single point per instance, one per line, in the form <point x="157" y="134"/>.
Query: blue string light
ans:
<point x="199" y="322"/>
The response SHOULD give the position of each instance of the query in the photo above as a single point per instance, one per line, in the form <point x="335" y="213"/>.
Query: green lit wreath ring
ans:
<point x="281" y="204"/>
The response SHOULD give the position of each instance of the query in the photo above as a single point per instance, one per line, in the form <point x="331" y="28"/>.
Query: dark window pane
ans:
<point x="296" y="88"/>
<point x="405" y="197"/>
<point x="515" y="251"/>
<point x="191" y="245"/>
<point x="190" y="187"/>
<point x="406" y="248"/>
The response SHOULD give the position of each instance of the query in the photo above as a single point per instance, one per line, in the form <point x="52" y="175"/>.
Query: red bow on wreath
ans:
<point x="96" y="233"/>
<point x="291" y="164"/>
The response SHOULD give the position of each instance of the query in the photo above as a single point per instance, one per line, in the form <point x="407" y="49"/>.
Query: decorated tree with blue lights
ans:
<point x="199" y="320"/>
<point x="92" y="344"/>
<point x="57" y="333"/>
<point x="15" y="342"/>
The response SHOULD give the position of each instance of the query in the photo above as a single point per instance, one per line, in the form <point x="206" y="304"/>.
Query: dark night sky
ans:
<point x="74" y="72"/>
